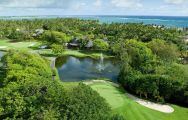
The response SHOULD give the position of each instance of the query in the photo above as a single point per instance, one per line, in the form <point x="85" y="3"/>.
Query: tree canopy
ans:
<point x="29" y="92"/>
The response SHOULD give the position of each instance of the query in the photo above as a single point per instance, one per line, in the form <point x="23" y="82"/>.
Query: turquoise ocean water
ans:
<point x="168" y="21"/>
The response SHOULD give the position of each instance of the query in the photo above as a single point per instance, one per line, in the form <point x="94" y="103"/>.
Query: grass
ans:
<point x="75" y="53"/>
<point x="16" y="45"/>
<point x="131" y="110"/>
<point x="85" y="53"/>
<point x="116" y="98"/>
<point x="48" y="52"/>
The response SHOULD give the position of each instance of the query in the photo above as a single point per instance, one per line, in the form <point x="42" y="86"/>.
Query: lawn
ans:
<point x="86" y="53"/>
<point x="76" y="53"/>
<point x="8" y="44"/>
<point x="131" y="110"/>
<point x="33" y="46"/>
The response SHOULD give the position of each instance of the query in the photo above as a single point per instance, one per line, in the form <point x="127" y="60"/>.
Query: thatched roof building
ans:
<point x="74" y="43"/>
<point x="89" y="44"/>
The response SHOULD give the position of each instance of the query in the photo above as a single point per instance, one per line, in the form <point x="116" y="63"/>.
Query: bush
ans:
<point x="165" y="51"/>
<point x="30" y="93"/>
<point x="57" y="49"/>
<point x="99" y="44"/>
<point x="55" y="37"/>
<point x="117" y="117"/>
<point x="168" y="84"/>
<point x="22" y="66"/>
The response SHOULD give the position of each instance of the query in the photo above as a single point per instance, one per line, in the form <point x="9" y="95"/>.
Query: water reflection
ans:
<point x="1" y="54"/>
<point x="77" y="69"/>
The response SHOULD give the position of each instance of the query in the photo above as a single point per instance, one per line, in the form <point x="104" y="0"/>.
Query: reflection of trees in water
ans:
<point x="61" y="61"/>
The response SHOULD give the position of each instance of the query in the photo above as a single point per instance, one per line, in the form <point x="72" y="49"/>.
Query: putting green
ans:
<point x="130" y="109"/>
<point x="112" y="94"/>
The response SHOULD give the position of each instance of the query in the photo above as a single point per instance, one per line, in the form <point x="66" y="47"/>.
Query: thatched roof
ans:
<point x="89" y="44"/>
<point x="38" y="32"/>
<point x="75" y="42"/>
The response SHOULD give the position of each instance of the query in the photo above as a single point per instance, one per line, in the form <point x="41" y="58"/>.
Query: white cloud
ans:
<point x="127" y="3"/>
<point x="78" y="6"/>
<point x="35" y="3"/>
<point x="97" y="3"/>
<point x="175" y="2"/>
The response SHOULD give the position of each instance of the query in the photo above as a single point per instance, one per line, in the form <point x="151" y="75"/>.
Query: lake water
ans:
<point x="1" y="54"/>
<point x="72" y="69"/>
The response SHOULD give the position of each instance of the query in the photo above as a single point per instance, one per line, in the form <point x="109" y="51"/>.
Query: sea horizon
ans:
<point x="168" y="21"/>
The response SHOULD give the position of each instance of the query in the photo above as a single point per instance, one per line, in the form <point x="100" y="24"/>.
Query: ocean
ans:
<point x="168" y="21"/>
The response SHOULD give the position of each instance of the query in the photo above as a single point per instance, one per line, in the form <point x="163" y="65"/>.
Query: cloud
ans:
<point x="78" y="6"/>
<point x="126" y="3"/>
<point x="175" y="2"/>
<point x="97" y="3"/>
<point x="35" y="3"/>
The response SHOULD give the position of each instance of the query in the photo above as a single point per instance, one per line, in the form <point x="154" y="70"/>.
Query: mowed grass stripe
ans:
<point x="130" y="109"/>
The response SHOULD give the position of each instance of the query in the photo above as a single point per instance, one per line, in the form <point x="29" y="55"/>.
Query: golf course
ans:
<point x="76" y="69"/>
<point x="114" y="94"/>
<point x="131" y="110"/>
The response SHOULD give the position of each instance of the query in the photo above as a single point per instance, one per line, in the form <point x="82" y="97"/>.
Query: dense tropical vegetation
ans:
<point x="28" y="92"/>
<point x="150" y="58"/>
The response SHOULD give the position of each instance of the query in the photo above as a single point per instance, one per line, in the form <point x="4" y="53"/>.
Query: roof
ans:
<point x="39" y="30"/>
<point x="89" y="44"/>
<point x="74" y="42"/>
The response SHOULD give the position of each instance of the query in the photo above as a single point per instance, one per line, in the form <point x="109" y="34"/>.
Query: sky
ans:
<point x="94" y="7"/>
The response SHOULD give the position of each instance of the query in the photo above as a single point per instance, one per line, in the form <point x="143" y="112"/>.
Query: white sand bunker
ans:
<point x="31" y="45"/>
<point x="186" y="40"/>
<point x="151" y="105"/>
<point x="3" y="47"/>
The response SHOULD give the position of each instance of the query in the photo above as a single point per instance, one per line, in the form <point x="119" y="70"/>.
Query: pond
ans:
<point x="1" y="54"/>
<point x="72" y="69"/>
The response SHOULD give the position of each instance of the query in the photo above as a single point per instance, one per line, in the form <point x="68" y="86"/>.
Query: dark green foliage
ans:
<point x="23" y="66"/>
<point x="83" y="98"/>
<point x="67" y="28"/>
<point x="57" y="49"/>
<point x="100" y="44"/>
<point x="30" y="93"/>
<point x="144" y="75"/>
<point x="55" y="37"/>
<point x="166" y="51"/>
<point x="136" y="54"/>
<point x="117" y="117"/>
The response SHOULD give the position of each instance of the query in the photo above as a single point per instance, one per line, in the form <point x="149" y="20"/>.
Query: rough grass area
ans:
<point x="131" y="110"/>
<point x="69" y="85"/>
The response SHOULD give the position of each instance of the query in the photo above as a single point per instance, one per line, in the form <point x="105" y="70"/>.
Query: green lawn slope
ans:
<point x="16" y="45"/>
<point x="131" y="110"/>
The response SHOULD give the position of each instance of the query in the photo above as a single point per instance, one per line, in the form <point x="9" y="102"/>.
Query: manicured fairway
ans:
<point x="130" y="109"/>
<point x="15" y="45"/>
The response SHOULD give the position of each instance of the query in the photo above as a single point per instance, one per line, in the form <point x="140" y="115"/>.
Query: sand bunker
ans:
<point x="151" y="105"/>
<point x="145" y="103"/>
<point x="148" y="104"/>
<point x="3" y="47"/>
